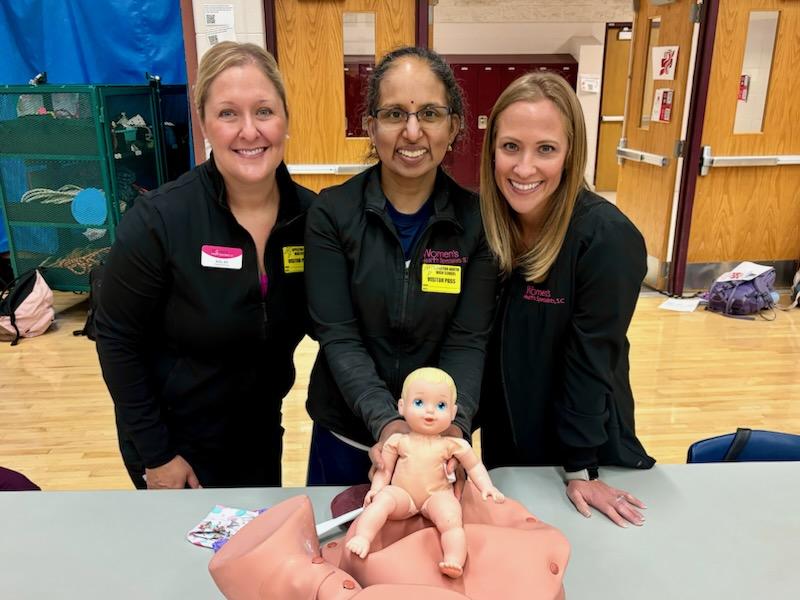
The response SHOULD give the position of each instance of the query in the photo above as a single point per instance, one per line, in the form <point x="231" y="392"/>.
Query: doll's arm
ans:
<point x="383" y="477"/>
<point x="477" y="472"/>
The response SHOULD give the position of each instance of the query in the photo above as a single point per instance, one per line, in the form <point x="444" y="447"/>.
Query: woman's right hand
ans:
<point x="396" y="426"/>
<point x="174" y="475"/>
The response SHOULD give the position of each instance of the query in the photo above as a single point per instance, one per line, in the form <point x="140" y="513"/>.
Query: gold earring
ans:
<point x="449" y="147"/>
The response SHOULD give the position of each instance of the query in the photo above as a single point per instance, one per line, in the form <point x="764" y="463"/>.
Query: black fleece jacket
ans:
<point x="556" y="389"/>
<point x="378" y="319"/>
<point x="197" y="362"/>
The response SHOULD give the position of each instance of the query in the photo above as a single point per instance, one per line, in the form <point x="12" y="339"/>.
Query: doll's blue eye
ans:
<point x="418" y="403"/>
<point x="441" y="406"/>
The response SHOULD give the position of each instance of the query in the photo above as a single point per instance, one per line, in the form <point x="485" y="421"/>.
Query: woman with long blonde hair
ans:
<point x="556" y="388"/>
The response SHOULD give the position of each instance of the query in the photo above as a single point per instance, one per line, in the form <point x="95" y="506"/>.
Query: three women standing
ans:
<point x="203" y="300"/>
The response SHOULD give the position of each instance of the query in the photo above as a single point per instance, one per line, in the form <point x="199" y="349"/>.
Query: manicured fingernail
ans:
<point x="587" y="515"/>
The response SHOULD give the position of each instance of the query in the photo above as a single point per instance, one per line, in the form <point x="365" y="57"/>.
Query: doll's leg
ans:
<point x="445" y="511"/>
<point x="391" y="502"/>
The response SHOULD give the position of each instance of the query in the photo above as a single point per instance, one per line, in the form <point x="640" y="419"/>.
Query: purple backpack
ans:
<point x="742" y="297"/>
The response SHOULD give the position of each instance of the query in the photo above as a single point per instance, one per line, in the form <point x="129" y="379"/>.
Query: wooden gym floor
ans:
<point x="694" y="375"/>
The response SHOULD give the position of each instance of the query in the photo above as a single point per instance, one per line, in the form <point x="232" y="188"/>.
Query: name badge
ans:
<point x="441" y="279"/>
<point x="220" y="257"/>
<point x="294" y="259"/>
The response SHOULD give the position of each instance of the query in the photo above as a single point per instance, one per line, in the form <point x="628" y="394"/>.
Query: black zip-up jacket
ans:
<point x="197" y="362"/>
<point x="374" y="320"/>
<point x="556" y="389"/>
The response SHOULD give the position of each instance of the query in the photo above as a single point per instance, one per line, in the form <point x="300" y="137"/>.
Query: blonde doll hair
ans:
<point x="431" y="375"/>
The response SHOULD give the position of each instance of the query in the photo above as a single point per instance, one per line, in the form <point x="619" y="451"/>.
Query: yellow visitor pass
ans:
<point x="442" y="279"/>
<point x="294" y="259"/>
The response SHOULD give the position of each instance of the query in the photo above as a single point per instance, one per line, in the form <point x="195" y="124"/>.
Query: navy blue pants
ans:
<point x="333" y="462"/>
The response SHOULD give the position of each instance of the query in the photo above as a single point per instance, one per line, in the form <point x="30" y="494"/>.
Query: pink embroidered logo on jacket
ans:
<point x="534" y="294"/>
<point x="443" y="257"/>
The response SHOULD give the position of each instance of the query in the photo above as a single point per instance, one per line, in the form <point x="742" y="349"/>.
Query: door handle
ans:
<point x="641" y="156"/>
<point x="611" y="118"/>
<point x="767" y="160"/>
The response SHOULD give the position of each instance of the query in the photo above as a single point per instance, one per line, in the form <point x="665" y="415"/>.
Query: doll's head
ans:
<point x="428" y="401"/>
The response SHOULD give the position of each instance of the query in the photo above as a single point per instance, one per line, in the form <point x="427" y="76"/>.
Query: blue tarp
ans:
<point x="87" y="41"/>
<point x="90" y="41"/>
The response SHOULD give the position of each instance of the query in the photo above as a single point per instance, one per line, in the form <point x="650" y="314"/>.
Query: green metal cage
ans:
<point x="73" y="159"/>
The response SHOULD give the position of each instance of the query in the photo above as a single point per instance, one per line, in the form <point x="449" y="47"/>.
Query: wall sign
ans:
<point x="219" y="23"/>
<point x="662" y="105"/>
<point x="744" y="87"/>
<point x="665" y="59"/>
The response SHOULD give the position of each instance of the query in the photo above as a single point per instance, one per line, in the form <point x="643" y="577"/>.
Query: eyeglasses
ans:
<point x="430" y="116"/>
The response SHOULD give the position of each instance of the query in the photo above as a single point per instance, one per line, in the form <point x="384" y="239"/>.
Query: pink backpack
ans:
<point x="26" y="307"/>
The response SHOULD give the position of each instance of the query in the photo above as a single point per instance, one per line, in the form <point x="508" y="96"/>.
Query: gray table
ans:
<point x="713" y="531"/>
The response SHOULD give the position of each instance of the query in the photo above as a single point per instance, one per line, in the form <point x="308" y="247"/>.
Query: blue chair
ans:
<point x="746" y="445"/>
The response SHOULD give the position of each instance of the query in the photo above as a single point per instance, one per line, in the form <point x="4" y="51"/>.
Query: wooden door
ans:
<point x="311" y="58"/>
<point x="646" y="191"/>
<point x="616" y="58"/>
<point x="750" y="212"/>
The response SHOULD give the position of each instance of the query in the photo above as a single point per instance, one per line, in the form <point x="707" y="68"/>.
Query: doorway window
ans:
<point x="756" y="69"/>
<point x="647" y="92"/>
<point x="359" y="60"/>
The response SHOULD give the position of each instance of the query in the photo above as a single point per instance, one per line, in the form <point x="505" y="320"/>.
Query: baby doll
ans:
<point x="414" y="480"/>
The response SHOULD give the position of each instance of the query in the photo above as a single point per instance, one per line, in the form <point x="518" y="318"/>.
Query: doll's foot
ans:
<point x="358" y="545"/>
<point x="451" y="569"/>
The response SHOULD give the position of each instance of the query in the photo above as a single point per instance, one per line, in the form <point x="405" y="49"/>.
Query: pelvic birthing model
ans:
<point x="413" y="478"/>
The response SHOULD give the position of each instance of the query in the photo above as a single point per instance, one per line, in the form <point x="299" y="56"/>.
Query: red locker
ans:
<point x="356" y="73"/>
<point x="461" y="162"/>
<point x="483" y="78"/>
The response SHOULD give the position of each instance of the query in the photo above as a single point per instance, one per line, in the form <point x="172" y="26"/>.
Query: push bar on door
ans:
<point x="641" y="156"/>
<point x="767" y="160"/>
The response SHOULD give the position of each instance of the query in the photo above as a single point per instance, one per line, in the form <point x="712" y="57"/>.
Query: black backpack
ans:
<point x="95" y="284"/>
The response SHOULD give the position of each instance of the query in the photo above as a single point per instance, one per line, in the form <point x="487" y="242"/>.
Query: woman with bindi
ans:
<point x="399" y="273"/>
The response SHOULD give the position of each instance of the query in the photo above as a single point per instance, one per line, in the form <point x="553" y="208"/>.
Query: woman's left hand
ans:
<point x="453" y="466"/>
<point x="618" y="505"/>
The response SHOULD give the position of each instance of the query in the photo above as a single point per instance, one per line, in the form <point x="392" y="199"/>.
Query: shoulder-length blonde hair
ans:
<point x="503" y="230"/>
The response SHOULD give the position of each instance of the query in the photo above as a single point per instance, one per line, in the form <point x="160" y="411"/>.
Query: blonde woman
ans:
<point x="201" y="308"/>
<point x="556" y="388"/>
